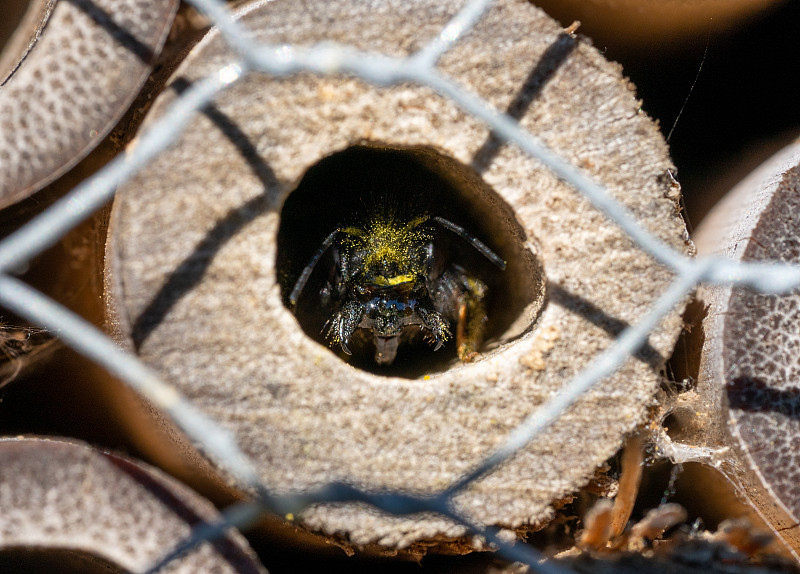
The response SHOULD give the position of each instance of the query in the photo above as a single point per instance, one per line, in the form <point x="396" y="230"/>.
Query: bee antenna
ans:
<point x="476" y="243"/>
<point x="301" y="281"/>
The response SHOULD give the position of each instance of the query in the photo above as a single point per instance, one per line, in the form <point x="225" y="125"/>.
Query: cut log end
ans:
<point x="749" y="365"/>
<point x="207" y="243"/>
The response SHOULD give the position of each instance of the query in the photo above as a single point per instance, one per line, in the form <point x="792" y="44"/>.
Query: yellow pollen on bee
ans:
<point x="388" y="241"/>
<point x="392" y="281"/>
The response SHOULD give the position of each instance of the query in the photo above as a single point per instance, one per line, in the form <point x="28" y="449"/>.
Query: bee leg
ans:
<point x="471" y="325"/>
<point x="344" y="322"/>
<point x="436" y="325"/>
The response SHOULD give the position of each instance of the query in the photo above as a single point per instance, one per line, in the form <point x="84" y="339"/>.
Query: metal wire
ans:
<point x="329" y="59"/>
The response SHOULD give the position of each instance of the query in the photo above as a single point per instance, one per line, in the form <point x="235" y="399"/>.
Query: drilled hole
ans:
<point x="673" y="425"/>
<point x="16" y="33"/>
<point x="63" y="561"/>
<point x="349" y="190"/>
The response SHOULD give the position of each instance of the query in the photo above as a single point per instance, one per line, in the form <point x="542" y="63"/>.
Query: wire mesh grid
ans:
<point x="335" y="59"/>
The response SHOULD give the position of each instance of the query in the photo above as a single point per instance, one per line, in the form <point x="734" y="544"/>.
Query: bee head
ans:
<point x="386" y="317"/>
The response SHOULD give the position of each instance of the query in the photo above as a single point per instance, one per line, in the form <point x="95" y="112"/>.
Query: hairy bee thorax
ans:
<point x="390" y="252"/>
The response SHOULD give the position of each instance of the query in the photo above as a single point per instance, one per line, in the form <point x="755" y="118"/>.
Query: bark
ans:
<point x="81" y="68"/>
<point x="749" y="366"/>
<point x="104" y="512"/>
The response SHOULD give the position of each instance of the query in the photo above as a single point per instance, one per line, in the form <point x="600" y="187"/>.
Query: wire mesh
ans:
<point x="335" y="59"/>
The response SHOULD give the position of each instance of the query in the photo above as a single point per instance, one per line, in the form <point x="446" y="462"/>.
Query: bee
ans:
<point x="392" y="282"/>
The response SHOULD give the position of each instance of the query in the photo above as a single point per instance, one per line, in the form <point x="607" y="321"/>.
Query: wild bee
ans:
<point x="392" y="281"/>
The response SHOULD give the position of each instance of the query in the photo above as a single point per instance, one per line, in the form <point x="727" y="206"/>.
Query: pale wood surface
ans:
<point x="192" y="285"/>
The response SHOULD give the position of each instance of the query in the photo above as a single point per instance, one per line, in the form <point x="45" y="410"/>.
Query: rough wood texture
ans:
<point x="193" y="286"/>
<point x="749" y="369"/>
<point x="84" y="69"/>
<point x="58" y="495"/>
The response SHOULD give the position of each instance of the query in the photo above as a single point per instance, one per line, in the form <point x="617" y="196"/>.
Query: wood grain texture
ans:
<point x="750" y="360"/>
<point x="84" y="69"/>
<point x="193" y="284"/>
<point x="64" y="495"/>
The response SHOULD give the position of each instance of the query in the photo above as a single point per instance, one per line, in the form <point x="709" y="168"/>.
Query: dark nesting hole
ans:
<point x="683" y="367"/>
<point x="348" y="188"/>
<point x="702" y="490"/>
<point x="674" y="425"/>
<point x="47" y="560"/>
<point x="15" y="12"/>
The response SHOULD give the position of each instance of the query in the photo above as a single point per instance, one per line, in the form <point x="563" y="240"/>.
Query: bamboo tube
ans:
<point x="80" y="69"/>
<point x="748" y="370"/>
<point x="101" y="512"/>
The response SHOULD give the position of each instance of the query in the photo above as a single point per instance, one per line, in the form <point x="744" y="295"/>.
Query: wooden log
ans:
<point x="103" y="512"/>
<point x="207" y="242"/>
<point x="66" y="87"/>
<point x="748" y="372"/>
